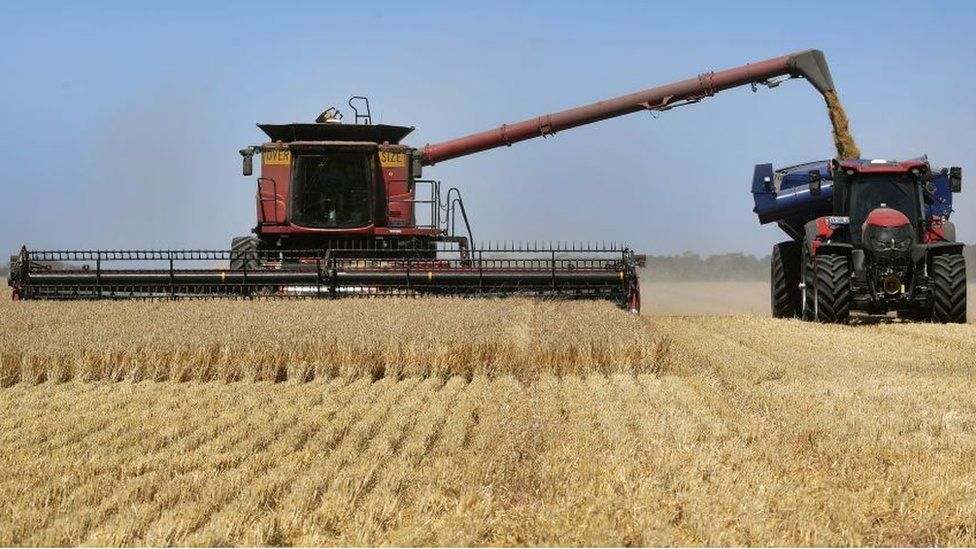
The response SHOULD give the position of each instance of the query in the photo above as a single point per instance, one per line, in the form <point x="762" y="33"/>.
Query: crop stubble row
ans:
<point x="741" y="430"/>
<point x="238" y="340"/>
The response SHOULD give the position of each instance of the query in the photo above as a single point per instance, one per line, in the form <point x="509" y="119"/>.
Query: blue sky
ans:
<point x="122" y="121"/>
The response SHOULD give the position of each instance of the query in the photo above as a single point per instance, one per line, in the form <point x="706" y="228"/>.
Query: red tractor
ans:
<point x="872" y="236"/>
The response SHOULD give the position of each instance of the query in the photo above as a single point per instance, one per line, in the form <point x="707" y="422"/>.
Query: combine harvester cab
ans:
<point x="872" y="236"/>
<point x="343" y="210"/>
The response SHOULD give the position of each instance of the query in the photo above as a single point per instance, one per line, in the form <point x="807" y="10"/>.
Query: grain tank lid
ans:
<point x="375" y="133"/>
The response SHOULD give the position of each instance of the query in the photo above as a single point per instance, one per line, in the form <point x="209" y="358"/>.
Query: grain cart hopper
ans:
<point x="866" y="235"/>
<point x="343" y="209"/>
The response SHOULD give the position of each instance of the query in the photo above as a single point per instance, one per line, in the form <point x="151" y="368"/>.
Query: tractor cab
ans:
<point x="882" y="198"/>
<point x="890" y="205"/>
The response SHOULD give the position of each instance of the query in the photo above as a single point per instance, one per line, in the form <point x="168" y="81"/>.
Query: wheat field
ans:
<point x="280" y="340"/>
<point x="426" y="422"/>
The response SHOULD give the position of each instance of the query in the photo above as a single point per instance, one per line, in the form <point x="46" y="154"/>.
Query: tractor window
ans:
<point x="868" y="193"/>
<point x="332" y="190"/>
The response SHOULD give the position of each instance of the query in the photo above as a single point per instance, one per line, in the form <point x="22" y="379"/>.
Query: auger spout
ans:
<point x="808" y="64"/>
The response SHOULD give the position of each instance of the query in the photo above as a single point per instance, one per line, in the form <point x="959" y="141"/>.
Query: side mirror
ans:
<point x="248" y="162"/>
<point x="955" y="179"/>
<point x="929" y="195"/>
<point x="815" y="180"/>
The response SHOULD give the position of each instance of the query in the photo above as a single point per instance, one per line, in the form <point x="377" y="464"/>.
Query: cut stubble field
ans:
<point x="432" y="422"/>
<point x="721" y="298"/>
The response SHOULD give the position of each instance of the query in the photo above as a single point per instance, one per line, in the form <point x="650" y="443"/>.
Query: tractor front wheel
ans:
<point x="949" y="289"/>
<point x="832" y="288"/>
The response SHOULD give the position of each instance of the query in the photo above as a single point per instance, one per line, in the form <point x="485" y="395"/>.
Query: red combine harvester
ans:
<point x="342" y="210"/>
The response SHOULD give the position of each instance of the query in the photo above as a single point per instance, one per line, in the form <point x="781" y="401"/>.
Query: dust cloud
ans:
<point x="705" y="298"/>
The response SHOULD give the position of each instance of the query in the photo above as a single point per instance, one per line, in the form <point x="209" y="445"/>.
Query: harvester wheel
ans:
<point x="832" y="290"/>
<point x="785" y="280"/>
<point x="244" y="253"/>
<point x="949" y="288"/>
<point x="634" y="298"/>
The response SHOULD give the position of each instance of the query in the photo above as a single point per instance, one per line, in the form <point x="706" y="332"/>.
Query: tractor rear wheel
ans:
<point x="949" y="289"/>
<point x="784" y="280"/>
<point x="832" y="289"/>
<point x="243" y="253"/>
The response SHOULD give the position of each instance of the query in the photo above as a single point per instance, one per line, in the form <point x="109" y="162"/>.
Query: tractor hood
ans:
<point x="887" y="232"/>
<point x="886" y="217"/>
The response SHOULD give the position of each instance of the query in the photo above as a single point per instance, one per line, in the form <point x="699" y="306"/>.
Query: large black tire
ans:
<point x="244" y="253"/>
<point x="832" y="290"/>
<point x="784" y="280"/>
<point x="949" y="288"/>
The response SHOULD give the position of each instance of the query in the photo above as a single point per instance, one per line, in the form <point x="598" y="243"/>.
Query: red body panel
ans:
<point x="890" y="167"/>
<point x="272" y="197"/>
<point x="934" y="232"/>
<point x="824" y="232"/>
<point x="395" y="167"/>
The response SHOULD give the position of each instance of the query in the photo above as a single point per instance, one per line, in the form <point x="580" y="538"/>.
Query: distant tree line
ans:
<point x="691" y="267"/>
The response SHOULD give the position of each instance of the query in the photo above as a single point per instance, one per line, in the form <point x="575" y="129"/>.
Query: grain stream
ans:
<point x="843" y="138"/>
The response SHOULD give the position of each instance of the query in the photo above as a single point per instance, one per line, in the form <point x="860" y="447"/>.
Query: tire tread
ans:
<point x="833" y="293"/>
<point x="949" y="289"/>
<point x="784" y="280"/>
